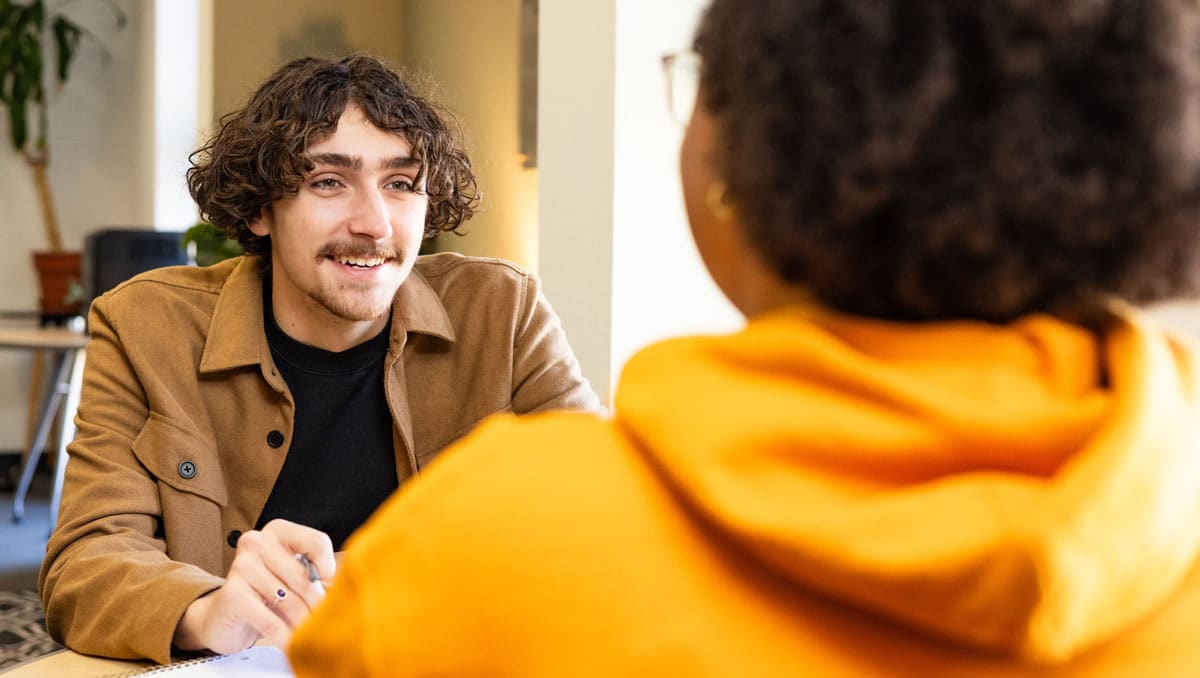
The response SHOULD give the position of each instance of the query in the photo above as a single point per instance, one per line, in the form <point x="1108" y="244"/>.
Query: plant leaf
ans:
<point x="29" y="58"/>
<point x="37" y="10"/>
<point x="18" y="127"/>
<point x="66" y="44"/>
<point x="24" y="38"/>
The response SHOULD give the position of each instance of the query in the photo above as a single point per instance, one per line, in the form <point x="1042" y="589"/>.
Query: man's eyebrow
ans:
<point x="336" y="160"/>
<point x="355" y="163"/>
<point x="401" y="162"/>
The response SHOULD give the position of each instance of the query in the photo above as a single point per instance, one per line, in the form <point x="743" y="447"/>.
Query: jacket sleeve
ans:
<point x="107" y="583"/>
<point x="546" y="374"/>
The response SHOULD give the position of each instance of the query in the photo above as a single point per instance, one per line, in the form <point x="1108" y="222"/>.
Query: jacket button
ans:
<point x="187" y="469"/>
<point x="234" y="535"/>
<point x="274" y="438"/>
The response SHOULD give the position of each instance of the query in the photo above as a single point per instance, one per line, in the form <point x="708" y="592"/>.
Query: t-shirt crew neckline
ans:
<point x="316" y="360"/>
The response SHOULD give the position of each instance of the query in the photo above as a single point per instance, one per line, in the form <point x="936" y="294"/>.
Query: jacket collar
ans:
<point x="418" y="308"/>
<point x="237" y="335"/>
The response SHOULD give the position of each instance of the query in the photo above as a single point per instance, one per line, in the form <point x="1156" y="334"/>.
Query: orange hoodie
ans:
<point x="816" y="495"/>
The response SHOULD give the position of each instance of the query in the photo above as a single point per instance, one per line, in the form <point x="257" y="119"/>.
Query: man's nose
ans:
<point x="371" y="218"/>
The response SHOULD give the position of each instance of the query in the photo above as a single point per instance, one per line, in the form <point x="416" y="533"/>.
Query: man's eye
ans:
<point x="325" y="183"/>
<point x="402" y="185"/>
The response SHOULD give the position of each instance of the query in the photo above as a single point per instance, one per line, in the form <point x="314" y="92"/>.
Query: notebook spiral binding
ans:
<point x="164" y="668"/>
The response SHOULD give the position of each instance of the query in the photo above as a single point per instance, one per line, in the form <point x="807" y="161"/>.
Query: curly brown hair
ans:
<point x="257" y="157"/>
<point x="920" y="160"/>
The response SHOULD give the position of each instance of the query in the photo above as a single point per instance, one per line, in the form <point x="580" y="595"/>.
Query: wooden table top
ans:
<point x="68" y="664"/>
<point x="23" y="336"/>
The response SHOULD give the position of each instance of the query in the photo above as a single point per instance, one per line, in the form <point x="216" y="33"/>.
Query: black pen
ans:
<point x="313" y="575"/>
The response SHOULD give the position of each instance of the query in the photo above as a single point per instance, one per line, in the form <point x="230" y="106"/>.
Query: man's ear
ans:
<point x="261" y="225"/>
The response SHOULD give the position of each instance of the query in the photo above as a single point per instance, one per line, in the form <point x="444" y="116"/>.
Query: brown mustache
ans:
<point x="360" y="250"/>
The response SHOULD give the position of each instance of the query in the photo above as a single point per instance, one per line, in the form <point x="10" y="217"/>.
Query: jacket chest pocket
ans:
<point x="191" y="490"/>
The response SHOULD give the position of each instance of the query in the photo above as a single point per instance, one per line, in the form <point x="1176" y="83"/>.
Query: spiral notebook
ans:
<point x="257" y="662"/>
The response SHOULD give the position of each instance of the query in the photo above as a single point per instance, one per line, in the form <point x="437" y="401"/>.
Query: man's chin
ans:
<point x="358" y="310"/>
<point x="358" y="304"/>
<point x="361" y="314"/>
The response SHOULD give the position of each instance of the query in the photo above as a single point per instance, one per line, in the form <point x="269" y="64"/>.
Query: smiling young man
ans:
<point x="241" y="418"/>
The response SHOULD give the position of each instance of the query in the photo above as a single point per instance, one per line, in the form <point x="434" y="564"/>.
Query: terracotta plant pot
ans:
<point x="59" y="277"/>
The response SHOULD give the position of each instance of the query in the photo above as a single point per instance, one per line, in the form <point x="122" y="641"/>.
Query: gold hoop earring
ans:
<point x="717" y="199"/>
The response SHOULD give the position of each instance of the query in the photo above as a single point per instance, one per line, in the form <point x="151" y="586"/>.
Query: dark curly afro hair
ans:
<point x="983" y="159"/>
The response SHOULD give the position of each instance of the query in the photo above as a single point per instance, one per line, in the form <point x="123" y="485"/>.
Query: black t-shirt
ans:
<point x="340" y="465"/>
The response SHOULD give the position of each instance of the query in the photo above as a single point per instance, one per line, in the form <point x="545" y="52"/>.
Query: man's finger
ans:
<point x="283" y="562"/>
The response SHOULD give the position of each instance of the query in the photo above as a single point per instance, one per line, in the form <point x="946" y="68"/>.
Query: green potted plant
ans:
<point x="210" y="243"/>
<point x="28" y="32"/>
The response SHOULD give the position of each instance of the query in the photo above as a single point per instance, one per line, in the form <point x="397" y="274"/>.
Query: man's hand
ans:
<point x="267" y="592"/>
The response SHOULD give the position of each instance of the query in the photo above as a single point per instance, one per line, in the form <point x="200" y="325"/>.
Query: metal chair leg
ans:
<point x="53" y="398"/>
<point x="66" y="431"/>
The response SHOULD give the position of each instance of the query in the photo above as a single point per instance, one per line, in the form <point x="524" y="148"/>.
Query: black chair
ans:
<point x="113" y="255"/>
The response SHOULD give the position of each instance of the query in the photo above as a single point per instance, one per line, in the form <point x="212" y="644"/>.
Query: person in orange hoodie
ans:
<point x="946" y="443"/>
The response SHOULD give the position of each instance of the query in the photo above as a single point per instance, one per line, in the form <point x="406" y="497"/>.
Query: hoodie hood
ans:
<point x="1029" y="488"/>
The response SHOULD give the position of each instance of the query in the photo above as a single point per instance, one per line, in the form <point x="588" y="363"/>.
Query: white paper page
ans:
<point x="256" y="662"/>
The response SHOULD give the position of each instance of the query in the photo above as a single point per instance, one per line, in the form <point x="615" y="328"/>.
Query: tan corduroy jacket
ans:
<point x="184" y="424"/>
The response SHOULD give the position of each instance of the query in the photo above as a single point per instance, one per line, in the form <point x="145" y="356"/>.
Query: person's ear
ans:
<point x="719" y="204"/>
<point x="261" y="225"/>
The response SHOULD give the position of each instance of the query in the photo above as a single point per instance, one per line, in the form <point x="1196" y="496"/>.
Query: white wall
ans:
<point x="176" y="112"/>
<point x="576" y="109"/>
<point x="616" y="255"/>
<point x="660" y="286"/>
